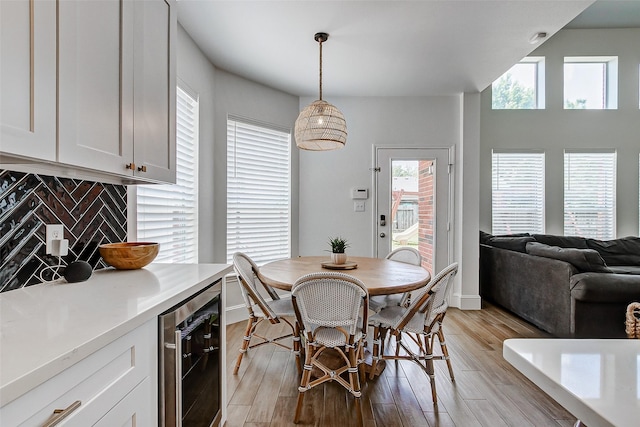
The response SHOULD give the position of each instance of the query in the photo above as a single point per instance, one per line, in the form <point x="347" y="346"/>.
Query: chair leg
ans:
<point x="445" y="352"/>
<point x="304" y="382"/>
<point x="376" y="351"/>
<point x="296" y="347"/>
<point x="355" y="381"/>
<point x="428" y="346"/>
<point x="246" y="340"/>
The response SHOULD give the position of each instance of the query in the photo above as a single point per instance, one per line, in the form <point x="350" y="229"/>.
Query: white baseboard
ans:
<point x="236" y="313"/>
<point x="466" y="302"/>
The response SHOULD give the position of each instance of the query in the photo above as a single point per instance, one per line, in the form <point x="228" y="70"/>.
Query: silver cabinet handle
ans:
<point x="60" y="414"/>
<point x="178" y="363"/>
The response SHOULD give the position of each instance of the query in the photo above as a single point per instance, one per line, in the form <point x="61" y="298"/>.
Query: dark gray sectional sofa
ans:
<point x="568" y="286"/>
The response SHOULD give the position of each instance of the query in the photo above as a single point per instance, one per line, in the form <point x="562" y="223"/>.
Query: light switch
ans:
<point x="358" y="206"/>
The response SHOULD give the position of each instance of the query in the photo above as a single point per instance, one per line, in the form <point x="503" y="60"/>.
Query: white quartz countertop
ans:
<point x="598" y="381"/>
<point x="47" y="328"/>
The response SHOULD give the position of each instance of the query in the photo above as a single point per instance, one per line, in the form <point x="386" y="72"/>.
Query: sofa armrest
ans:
<point x="534" y="288"/>
<point x="605" y="287"/>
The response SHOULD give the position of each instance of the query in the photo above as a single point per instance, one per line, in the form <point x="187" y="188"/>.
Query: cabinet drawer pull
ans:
<point x="142" y="168"/>
<point x="131" y="166"/>
<point x="60" y="414"/>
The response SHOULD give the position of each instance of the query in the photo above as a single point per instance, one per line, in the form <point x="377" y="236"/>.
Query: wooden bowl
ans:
<point x="129" y="255"/>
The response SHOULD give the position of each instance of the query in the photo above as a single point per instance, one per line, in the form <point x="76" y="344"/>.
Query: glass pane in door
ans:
<point x="413" y="207"/>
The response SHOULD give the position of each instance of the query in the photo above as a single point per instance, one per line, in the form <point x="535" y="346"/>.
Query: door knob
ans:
<point x="383" y="235"/>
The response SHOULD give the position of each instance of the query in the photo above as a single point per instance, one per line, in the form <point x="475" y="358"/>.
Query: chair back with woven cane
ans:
<point x="332" y="311"/>
<point x="421" y="321"/>
<point x="275" y="311"/>
<point x="250" y="285"/>
<point x="406" y="255"/>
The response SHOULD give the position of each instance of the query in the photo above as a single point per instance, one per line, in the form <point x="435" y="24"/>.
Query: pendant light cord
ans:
<point x="320" y="42"/>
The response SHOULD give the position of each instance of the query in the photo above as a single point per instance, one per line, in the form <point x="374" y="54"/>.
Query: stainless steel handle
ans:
<point x="383" y="235"/>
<point x="60" y="414"/>
<point x="178" y="374"/>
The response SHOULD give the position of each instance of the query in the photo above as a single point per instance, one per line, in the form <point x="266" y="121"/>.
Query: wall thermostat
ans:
<point x="359" y="193"/>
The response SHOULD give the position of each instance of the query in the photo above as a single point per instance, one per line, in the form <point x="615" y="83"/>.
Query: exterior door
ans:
<point x="413" y="203"/>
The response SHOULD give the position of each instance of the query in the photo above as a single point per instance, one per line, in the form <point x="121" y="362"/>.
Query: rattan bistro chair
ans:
<point x="332" y="311"/>
<point x="275" y="311"/>
<point x="407" y="255"/>
<point x="421" y="322"/>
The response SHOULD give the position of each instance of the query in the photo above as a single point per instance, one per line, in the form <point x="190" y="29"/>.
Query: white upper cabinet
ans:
<point x="154" y="89"/>
<point x="115" y="86"/>
<point x="28" y="79"/>
<point x="95" y="80"/>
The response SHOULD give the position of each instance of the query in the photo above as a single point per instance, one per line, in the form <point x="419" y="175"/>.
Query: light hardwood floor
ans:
<point x="487" y="391"/>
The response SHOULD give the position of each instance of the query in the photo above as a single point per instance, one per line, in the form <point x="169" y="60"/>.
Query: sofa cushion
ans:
<point x="583" y="259"/>
<point x="624" y="251"/>
<point x="605" y="288"/>
<point x="625" y="269"/>
<point x="517" y="243"/>
<point x="562" y="241"/>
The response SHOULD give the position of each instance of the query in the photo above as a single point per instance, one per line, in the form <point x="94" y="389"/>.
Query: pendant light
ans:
<point x="320" y="126"/>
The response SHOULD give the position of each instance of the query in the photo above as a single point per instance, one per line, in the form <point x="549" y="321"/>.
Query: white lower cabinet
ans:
<point x="135" y="409"/>
<point x="116" y="385"/>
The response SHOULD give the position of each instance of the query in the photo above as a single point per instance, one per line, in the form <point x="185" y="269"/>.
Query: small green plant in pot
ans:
<point x="338" y="248"/>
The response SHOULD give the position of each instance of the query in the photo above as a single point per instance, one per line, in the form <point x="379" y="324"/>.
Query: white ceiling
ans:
<point x="375" y="48"/>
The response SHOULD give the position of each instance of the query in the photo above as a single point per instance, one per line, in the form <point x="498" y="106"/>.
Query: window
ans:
<point x="517" y="192"/>
<point x="590" y="83"/>
<point x="590" y="194"/>
<point x="258" y="191"/>
<point x="520" y="88"/>
<point x="167" y="214"/>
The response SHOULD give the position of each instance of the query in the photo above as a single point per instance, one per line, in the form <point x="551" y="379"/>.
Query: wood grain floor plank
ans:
<point x="237" y="415"/>
<point x="439" y="419"/>
<point x="408" y="405"/>
<point x="507" y="409"/>
<point x="522" y="400"/>
<point x="268" y="389"/>
<point x="387" y="415"/>
<point x="486" y="413"/>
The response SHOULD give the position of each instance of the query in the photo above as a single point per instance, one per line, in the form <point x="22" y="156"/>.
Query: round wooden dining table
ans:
<point x="381" y="276"/>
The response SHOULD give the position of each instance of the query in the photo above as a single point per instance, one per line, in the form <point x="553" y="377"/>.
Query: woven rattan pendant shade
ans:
<point x="320" y="126"/>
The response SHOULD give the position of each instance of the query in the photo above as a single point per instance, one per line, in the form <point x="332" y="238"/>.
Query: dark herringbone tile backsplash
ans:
<point x="92" y="214"/>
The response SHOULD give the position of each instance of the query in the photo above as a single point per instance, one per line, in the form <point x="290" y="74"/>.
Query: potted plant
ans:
<point x="338" y="247"/>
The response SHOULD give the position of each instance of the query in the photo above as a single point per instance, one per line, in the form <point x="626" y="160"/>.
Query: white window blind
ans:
<point x="168" y="214"/>
<point x="590" y="194"/>
<point x="517" y="192"/>
<point x="258" y="191"/>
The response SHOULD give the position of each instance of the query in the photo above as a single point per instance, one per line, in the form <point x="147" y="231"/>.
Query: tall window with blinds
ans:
<point x="517" y="192"/>
<point x="590" y="194"/>
<point x="258" y="190"/>
<point x="168" y="214"/>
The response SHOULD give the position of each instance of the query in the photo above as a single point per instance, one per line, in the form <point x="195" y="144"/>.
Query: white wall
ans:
<point x="555" y="129"/>
<point x="326" y="178"/>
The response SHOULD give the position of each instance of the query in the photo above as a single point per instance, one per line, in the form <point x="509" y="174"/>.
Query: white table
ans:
<point x="597" y="380"/>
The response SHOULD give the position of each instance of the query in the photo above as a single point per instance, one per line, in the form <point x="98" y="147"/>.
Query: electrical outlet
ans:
<point x="53" y="232"/>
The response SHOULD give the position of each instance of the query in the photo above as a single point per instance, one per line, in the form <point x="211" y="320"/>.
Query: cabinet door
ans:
<point x="95" y="79"/>
<point x="28" y="79"/>
<point x="155" y="90"/>
<point x="136" y="409"/>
